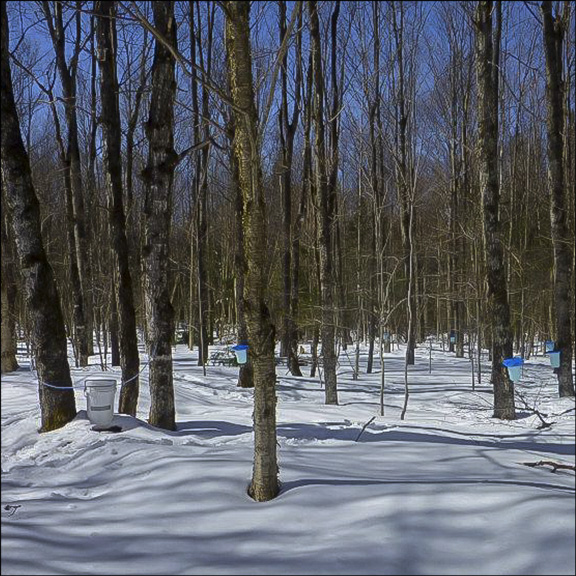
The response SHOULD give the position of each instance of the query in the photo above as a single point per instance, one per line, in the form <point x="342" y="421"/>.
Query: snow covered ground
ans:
<point x="443" y="492"/>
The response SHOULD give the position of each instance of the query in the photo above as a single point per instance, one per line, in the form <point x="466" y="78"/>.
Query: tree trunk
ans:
<point x="561" y="237"/>
<point x="112" y="152"/>
<point x="57" y="405"/>
<point x="201" y="181"/>
<point x="288" y="126"/>
<point x="325" y="216"/>
<point x="246" y="373"/>
<point x="67" y="73"/>
<point x="9" y="289"/>
<point x="306" y="193"/>
<point x="455" y="192"/>
<point x="404" y="181"/>
<point x="264" y="485"/>
<point x="113" y="325"/>
<point x="158" y="176"/>
<point x="487" y="77"/>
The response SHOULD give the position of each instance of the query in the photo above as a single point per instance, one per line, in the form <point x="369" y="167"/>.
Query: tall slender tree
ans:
<point x="80" y="248"/>
<point x="159" y="176"/>
<point x="487" y="75"/>
<point x="9" y="289"/>
<point x="404" y="167"/>
<point x="57" y="405"/>
<point x="112" y="144"/>
<point x="288" y="122"/>
<point x="554" y="27"/>
<point x="264" y="485"/>
<point x="325" y="214"/>
<point x="202" y="56"/>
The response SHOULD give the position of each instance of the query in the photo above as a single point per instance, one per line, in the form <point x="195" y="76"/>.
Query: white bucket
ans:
<point x="241" y="356"/>
<point x="515" y="373"/>
<point x="554" y="359"/>
<point x="100" y="394"/>
<point x="241" y="351"/>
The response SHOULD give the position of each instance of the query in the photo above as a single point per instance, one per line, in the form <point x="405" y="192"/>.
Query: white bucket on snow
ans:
<point x="100" y="394"/>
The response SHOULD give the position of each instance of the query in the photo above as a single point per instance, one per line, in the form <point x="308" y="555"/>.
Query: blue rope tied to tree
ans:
<point x="56" y="387"/>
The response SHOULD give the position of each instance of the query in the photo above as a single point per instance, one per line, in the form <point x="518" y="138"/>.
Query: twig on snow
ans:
<point x="12" y="508"/>
<point x="532" y="410"/>
<point x="364" y="427"/>
<point x="555" y="465"/>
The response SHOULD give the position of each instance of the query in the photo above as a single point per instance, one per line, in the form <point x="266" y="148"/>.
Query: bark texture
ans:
<point x="325" y="215"/>
<point x="561" y="238"/>
<point x="9" y="363"/>
<point x="47" y="331"/>
<point x="405" y="176"/>
<point x="80" y="249"/>
<point x="264" y="485"/>
<point x="112" y="152"/>
<point x="246" y="372"/>
<point x="487" y="49"/>
<point x="158" y="176"/>
<point x="288" y="124"/>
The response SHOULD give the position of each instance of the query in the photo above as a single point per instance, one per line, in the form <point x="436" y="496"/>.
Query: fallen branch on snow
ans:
<point x="12" y="508"/>
<point x="533" y="410"/>
<point x="555" y="465"/>
<point x="364" y="427"/>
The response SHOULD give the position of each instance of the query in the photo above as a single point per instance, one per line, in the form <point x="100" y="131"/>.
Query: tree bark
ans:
<point x="57" y="406"/>
<point x="325" y="215"/>
<point x="264" y="485"/>
<point x="112" y="152"/>
<point x="201" y="182"/>
<point x="305" y="194"/>
<point x="288" y="126"/>
<point x="561" y="238"/>
<point x="81" y="253"/>
<point x="246" y="372"/>
<point x="404" y="181"/>
<point x="487" y="50"/>
<point x="9" y="289"/>
<point x="158" y="176"/>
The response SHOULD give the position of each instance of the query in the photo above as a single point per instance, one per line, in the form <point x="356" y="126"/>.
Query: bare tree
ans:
<point x="48" y="334"/>
<point x="264" y="484"/>
<point x="405" y="166"/>
<point x="9" y="288"/>
<point x="201" y="130"/>
<point x="112" y="143"/>
<point x="554" y="27"/>
<point x="288" y="125"/>
<point x="325" y="214"/>
<point x="487" y="73"/>
<point x="80" y="249"/>
<point x="246" y="372"/>
<point x="158" y="176"/>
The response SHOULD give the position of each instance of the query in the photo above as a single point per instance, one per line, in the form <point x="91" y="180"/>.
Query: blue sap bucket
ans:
<point x="549" y="346"/>
<point x="554" y="359"/>
<point x="241" y="351"/>
<point x="453" y="339"/>
<point x="514" y="366"/>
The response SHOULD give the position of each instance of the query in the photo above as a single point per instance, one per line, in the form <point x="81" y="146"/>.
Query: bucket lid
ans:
<point x="510" y="362"/>
<point x="99" y="382"/>
<point x="240" y="347"/>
